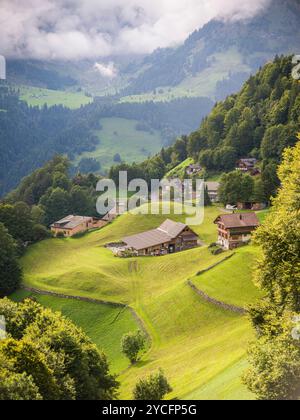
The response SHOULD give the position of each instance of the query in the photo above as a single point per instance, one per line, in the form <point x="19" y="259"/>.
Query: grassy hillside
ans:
<point x="196" y="343"/>
<point x="179" y="170"/>
<point x="231" y="282"/>
<point x="36" y="96"/>
<point x="104" y="324"/>
<point x="203" y="83"/>
<point x="119" y="135"/>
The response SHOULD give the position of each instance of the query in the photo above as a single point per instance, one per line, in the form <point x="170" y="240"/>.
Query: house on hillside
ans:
<point x="72" y="225"/>
<point x="168" y="238"/>
<point x="248" y="166"/>
<point x="193" y="169"/>
<point x="213" y="191"/>
<point x="234" y="230"/>
<point x="251" y="205"/>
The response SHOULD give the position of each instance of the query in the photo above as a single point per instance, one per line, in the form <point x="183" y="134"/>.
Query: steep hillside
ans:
<point x="215" y="60"/>
<point x="198" y="345"/>
<point x="259" y="122"/>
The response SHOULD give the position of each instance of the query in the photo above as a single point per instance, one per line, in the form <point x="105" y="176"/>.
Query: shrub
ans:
<point x="154" y="388"/>
<point x="132" y="344"/>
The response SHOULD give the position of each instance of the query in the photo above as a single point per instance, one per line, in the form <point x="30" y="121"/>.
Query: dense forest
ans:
<point x="260" y="121"/>
<point x="30" y="136"/>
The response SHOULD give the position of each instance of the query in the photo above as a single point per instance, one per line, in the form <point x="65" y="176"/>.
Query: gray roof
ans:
<point x="71" y="222"/>
<point x="165" y="233"/>
<point x="212" y="186"/>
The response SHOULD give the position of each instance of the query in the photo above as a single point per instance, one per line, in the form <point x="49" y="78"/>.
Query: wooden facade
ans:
<point x="73" y="225"/>
<point x="169" y="238"/>
<point x="235" y="230"/>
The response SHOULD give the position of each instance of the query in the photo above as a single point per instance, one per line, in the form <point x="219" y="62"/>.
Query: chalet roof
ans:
<point x="165" y="233"/>
<point x="171" y="228"/>
<point x="212" y="186"/>
<point x="237" y="220"/>
<point x="71" y="222"/>
<point x="248" y="161"/>
<point x="194" y="167"/>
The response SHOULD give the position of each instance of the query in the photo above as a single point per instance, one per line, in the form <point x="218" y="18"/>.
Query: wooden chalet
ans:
<point x="170" y="237"/>
<point x="72" y="225"/>
<point x="234" y="230"/>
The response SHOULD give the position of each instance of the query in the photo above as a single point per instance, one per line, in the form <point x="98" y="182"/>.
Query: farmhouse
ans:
<point x="193" y="169"/>
<point x="170" y="237"/>
<point x="71" y="225"/>
<point x="235" y="229"/>
<point x="251" y="206"/>
<point x="213" y="191"/>
<point x="248" y="166"/>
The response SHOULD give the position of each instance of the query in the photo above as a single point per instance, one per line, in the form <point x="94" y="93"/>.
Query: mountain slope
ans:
<point x="193" y="341"/>
<point x="259" y="122"/>
<point x="216" y="59"/>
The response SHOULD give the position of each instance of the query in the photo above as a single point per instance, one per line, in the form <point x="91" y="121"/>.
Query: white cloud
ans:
<point x="106" y="70"/>
<point x="75" y="29"/>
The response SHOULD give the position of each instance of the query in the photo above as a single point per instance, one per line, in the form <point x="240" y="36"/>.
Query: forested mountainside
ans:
<point x="30" y="136"/>
<point x="260" y="122"/>
<point x="230" y="50"/>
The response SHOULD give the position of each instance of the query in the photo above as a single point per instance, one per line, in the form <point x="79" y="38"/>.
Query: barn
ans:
<point x="168" y="238"/>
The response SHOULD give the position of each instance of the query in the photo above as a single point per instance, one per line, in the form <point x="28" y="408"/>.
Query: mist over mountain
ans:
<point x="223" y="53"/>
<point x="213" y="61"/>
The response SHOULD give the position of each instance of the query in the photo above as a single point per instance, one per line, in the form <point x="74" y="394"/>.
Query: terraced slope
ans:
<point x="196" y="343"/>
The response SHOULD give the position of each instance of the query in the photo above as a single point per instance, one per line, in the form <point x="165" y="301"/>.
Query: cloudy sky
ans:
<point x="77" y="29"/>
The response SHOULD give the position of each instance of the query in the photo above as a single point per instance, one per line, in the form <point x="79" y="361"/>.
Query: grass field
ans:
<point x="201" y="347"/>
<point x="232" y="281"/>
<point x="179" y="170"/>
<point x="39" y="97"/>
<point x="119" y="135"/>
<point x="104" y="324"/>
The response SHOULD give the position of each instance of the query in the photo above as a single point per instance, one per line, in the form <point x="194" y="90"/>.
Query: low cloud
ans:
<point x="76" y="29"/>
<point x="108" y="71"/>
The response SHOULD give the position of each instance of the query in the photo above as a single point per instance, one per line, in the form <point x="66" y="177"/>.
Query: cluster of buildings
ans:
<point x="233" y="230"/>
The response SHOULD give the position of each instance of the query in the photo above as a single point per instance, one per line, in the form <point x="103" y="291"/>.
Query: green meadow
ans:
<point x="228" y="281"/>
<point x="104" y="324"/>
<point x="36" y="96"/>
<point x="119" y="135"/>
<point x="201" y="347"/>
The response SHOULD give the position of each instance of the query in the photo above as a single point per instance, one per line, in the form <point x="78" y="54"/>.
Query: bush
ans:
<point x="47" y="357"/>
<point x="40" y="232"/>
<point x="132" y="344"/>
<point x="154" y="388"/>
